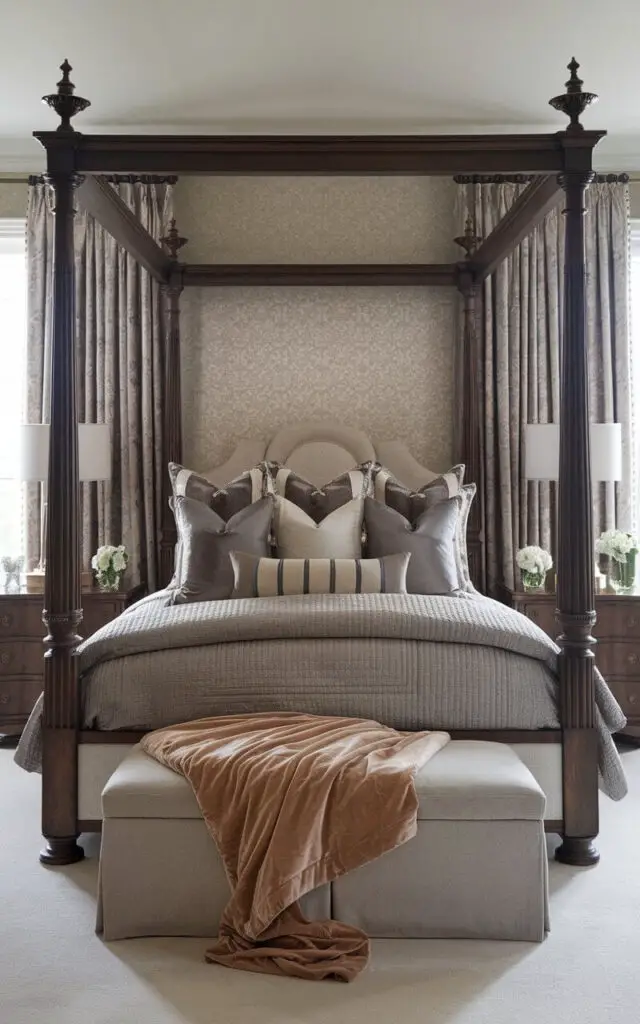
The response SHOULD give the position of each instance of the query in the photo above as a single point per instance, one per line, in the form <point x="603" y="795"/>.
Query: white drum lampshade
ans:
<point x="94" y="452"/>
<point x="542" y="451"/>
<point x="30" y="461"/>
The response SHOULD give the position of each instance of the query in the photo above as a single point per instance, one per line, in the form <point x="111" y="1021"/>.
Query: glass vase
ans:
<point x="532" y="581"/>
<point x="109" y="583"/>
<point x="622" y="575"/>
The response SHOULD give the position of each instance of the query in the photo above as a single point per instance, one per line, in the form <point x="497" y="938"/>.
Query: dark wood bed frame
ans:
<point x="559" y="162"/>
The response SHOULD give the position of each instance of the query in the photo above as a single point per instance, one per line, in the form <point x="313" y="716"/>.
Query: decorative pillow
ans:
<point x="277" y="577"/>
<point x="226" y="501"/>
<point x="467" y="494"/>
<point x="338" y="535"/>
<point x="429" y="540"/>
<point x="410" y="504"/>
<point x="318" y="502"/>
<point x="206" y="573"/>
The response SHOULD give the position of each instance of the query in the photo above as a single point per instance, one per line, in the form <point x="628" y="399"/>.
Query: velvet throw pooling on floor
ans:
<point x="292" y="802"/>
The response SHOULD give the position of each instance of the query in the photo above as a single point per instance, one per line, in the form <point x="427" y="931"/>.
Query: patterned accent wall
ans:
<point x="377" y="358"/>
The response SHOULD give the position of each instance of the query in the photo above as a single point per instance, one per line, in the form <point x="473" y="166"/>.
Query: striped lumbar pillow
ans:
<point x="279" y="577"/>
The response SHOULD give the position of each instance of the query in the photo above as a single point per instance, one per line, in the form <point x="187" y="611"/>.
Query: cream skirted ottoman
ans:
<point x="477" y="867"/>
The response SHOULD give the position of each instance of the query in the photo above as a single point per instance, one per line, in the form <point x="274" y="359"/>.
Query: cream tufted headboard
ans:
<point x="321" y="450"/>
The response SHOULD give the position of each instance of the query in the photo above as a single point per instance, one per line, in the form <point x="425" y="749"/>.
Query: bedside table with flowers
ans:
<point x="22" y="650"/>
<point x="617" y="607"/>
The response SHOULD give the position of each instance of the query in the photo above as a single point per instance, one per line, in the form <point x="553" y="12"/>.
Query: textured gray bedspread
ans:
<point x="408" y="661"/>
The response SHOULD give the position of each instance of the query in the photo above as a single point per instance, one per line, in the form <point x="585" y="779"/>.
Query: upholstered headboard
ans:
<point x="321" y="450"/>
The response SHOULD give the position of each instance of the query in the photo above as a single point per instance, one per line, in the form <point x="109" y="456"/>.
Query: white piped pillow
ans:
<point x="338" y="535"/>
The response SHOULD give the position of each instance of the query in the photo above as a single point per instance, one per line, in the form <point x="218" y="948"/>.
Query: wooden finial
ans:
<point x="173" y="241"/>
<point x="65" y="104"/>
<point x="574" y="101"/>
<point x="469" y="241"/>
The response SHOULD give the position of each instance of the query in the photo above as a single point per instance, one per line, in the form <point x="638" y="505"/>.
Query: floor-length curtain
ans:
<point x="120" y="336"/>
<point x="521" y="326"/>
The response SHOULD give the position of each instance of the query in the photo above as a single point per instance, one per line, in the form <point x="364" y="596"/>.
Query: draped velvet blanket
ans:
<point x="293" y="801"/>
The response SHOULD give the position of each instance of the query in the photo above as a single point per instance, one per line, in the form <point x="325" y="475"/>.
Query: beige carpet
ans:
<point x="54" y="969"/>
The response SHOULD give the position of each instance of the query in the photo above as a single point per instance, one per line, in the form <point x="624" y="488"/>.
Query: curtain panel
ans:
<point x="521" y="324"/>
<point x="120" y="344"/>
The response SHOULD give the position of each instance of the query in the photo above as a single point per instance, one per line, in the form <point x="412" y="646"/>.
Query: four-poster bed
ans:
<point x="560" y="162"/>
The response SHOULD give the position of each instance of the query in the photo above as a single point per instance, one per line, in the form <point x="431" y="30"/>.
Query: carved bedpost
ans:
<point x="471" y="366"/>
<point x="62" y="613"/>
<point x="172" y="441"/>
<point x="575" y="587"/>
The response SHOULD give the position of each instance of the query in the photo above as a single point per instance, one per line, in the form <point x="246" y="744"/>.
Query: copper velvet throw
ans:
<point x="292" y="801"/>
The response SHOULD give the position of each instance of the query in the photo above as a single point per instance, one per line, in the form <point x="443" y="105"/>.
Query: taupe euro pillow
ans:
<point x="278" y="577"/>
<point x="206" y="572"/>
<point x="338" y="535"/>
<point x="429" y="539"/>
<point x="411" y="504"/>
<point x="226" y="501"/>
<point x="318" y="502"/>
<point x="388" y="489"/>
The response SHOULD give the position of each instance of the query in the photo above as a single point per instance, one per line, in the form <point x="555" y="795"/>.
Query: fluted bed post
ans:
<point x="471" y="366"/>
<point x="575" y="587"/>
<point x="172" y="400"/>
<point x="62" y="613"/>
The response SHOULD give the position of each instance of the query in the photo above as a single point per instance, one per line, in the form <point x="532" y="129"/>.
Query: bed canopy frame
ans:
<point x="558" y="162"/>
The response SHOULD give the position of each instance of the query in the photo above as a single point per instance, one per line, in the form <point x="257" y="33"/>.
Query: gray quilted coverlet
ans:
<point x="409" y="661"/>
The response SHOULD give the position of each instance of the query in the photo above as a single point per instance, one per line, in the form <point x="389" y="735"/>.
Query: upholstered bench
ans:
<point x="477" y="867"/>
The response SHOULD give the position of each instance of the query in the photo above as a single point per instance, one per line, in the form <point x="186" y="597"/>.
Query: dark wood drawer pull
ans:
<point x="5" y="657"/>
<point x="632" y="659"/>
<point x="633" y="697"/>
<point x="632" y="623"/>
<point x="6" y="621"/>
<point x="4" y="698"/>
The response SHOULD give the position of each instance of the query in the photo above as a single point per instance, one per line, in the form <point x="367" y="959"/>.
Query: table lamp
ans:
<point x="542" y="451"/>
<point x="542" y="455"/>
<point x="32" y="464"/>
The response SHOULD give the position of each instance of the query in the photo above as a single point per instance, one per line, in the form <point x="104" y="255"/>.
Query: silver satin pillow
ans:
<point x="206" y="573"/>
<point x="280" y="577"/>
<point x="429" y="540"/>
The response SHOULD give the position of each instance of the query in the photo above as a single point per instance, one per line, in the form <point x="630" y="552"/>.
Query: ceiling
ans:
<point x="316" y="66"/>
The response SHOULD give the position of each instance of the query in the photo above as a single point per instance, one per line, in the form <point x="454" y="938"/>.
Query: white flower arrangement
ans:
<point x="616" y="544"/>
<point x="534" y="564"/>
<point x="534" y="560"/>
<point x="109" y="563"/>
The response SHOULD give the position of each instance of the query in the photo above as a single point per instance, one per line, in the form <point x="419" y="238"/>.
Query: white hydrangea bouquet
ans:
<point x="534" y="564"/>
<point x="620" y="549"/>
<point x="109" y="563"/>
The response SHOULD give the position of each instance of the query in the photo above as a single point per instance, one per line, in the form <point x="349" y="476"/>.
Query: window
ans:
<point x="13" y="350"/>
<point x="635" y="353"/>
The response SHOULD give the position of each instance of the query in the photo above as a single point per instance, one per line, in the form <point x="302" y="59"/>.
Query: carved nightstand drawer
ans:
<point x="619" y="658"/>
<point x="21" y="616"/>
<point x="17" y="697"/>
<point x="618" y="618"/>
<point x="543" y="614"/>
<point x="21" y="657"/>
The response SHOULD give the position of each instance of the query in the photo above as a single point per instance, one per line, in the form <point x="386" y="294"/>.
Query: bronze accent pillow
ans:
<point x="429" y="540"/>
<point x="278" y="577"/>
<point x="226" y="501"/>
<point x="408" y="503"/>
<point x="319" y="502"/>
<point x="206" y="573"/>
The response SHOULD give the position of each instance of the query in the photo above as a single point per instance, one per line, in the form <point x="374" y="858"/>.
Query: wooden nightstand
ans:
<point x="22" y="651"/>
<point x="617" y="631"/>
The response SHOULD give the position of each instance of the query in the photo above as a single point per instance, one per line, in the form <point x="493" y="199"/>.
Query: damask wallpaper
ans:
<point x="377" y="358"/>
